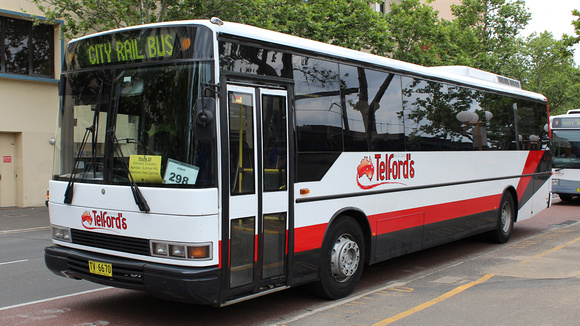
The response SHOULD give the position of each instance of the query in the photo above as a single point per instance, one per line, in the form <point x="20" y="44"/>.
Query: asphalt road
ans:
<point x="23" y="276"/>
<point x="532" y="280"/>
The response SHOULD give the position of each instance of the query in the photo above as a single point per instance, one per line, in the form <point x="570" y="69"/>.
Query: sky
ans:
<point x="554" y="16"/>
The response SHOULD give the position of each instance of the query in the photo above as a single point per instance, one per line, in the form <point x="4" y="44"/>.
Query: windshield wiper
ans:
<point x="137" y="195"/>
<point x="68" y="193"/>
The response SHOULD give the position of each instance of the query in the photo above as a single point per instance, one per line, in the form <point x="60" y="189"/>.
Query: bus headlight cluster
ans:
<point x="192" y="251"/>
<point x="555" y="182"/>
<point x="60" y="233"/>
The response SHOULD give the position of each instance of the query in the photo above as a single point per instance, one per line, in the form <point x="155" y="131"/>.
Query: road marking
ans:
<point x="40" y="228"/>
<point x="14" y="262"/>
<point x="388" y="286"/>
<point x="54" y="298"/>
<point x="547" y="252"/>
<point x="402" y="289"/>
<point x="337" y="303"/>
<point x="430" y="303"/>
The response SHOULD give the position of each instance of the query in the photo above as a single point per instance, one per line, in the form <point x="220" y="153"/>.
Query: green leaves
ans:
<point x="548" y="68"/>
<point x="484" y="33"/>
<point x="348" y="23"/>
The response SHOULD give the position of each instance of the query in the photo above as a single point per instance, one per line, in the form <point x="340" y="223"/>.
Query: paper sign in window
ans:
<point x="146" y="168"/>
<point x="180" y="173"/>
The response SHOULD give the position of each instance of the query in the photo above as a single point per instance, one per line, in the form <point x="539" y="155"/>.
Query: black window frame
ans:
<point x="312" y="161"/>
<point x="31" y="48"/>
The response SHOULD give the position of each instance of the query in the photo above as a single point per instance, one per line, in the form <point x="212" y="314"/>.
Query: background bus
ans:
<point x="565" y="145"/>
<point x="212" y="162"/>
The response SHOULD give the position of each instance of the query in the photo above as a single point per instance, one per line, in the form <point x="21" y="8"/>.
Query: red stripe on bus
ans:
<point x="310" y="237"/>
<point x="409" y="218"/>
<point x="534" y="158"/>
<point x="219" y="254"/>
<point x="255" y="248"/>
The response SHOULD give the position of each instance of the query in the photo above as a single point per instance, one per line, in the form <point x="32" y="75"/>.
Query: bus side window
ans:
<point x="372" y="104"/>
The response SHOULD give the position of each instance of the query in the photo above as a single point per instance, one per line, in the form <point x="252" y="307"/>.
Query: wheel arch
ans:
<point x="513" y="192"/>
<point x="361" y="218"/>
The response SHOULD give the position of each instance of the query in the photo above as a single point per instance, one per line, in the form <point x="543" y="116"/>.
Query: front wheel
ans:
<point x="505" y="220"/>
<point x="343" y="255"/>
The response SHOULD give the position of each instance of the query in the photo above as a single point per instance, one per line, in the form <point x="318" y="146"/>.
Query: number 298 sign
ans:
<point x="180" y="173"/>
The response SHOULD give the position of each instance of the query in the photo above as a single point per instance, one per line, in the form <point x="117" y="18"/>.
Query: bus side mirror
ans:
<point x="204" y="118"/>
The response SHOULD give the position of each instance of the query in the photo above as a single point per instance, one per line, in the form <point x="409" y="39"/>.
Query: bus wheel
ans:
<point x="342" y="260"/>
<point x="565" y="197"/>
<point x="505" y="220"/>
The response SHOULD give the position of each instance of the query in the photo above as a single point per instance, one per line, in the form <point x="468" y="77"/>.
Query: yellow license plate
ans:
<point x="99" y="268"/>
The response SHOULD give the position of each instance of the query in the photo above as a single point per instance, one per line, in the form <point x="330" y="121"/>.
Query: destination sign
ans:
<point x="119" y="51"/>
<point x="566" y="122"/>
<point x="139" y="45"/>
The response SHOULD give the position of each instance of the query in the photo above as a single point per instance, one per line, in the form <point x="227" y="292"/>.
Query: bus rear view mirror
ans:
<point x="204" y="118"/>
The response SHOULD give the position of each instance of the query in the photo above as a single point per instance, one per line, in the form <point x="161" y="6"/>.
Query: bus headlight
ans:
<point x="190" y="251"/>
<point x="555" y="182"/>
<point x="177" y="251"/>
<point x="60" y="233"/>
<point x="159" y="249"/>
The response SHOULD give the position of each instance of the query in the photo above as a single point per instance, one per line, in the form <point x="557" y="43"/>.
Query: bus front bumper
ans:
<point x="568" y="190"/>
<point x="184" y="284"/>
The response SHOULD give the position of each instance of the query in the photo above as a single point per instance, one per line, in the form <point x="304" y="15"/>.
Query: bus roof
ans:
<point x="454" y="74"/>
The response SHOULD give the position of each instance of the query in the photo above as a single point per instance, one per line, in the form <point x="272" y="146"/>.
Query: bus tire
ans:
<point x="506" y="217"/>
<point x="343" y="256"/>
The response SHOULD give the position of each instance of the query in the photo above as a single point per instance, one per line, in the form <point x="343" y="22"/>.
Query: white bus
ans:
<point x="212" y="162"/>
<point x="565" y="145"/>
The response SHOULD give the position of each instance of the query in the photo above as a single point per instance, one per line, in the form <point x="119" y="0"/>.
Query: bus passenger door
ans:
<point x="258" y="189"/>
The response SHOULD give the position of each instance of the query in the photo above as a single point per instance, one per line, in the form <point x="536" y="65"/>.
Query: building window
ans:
<point x="27" y="49"/>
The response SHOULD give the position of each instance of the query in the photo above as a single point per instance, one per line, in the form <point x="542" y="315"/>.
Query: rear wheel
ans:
<point x="505" y="220"/>
<point x="342" y="260"/>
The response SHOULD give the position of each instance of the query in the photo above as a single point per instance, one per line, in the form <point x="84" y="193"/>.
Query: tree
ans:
<point x="483" y="34"/>
<point x="490" y="29"/>
<point x="84" y="16"/>
<point x="419" y="36"/>
<point x="348" y="23"/>
<point x="576" y="24"/>
<point x="549" y="69"/>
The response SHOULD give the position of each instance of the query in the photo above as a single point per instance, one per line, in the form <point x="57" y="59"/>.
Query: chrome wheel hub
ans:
<point x="345" y="258"/>
<point x="506" y="217"/>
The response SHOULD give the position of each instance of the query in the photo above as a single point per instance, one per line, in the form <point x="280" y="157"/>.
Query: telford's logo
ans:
<point x="390" y="170"/>
<point x="101" y="221"/>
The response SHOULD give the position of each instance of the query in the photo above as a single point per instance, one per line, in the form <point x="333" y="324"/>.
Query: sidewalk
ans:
<point x="16" y="218"/>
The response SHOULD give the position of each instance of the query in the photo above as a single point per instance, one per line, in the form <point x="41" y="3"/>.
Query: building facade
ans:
<point x="30" y="63"/>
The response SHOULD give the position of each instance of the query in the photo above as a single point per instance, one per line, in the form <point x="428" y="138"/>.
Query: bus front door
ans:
<point x="258" y="190"/>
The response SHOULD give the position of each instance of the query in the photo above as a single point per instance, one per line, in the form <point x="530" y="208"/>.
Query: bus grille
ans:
<point x="112" y="242"/>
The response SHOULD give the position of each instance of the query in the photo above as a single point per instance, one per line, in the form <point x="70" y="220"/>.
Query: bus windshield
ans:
<point x="566" y="148"/>
<point x="136" y="122"/>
